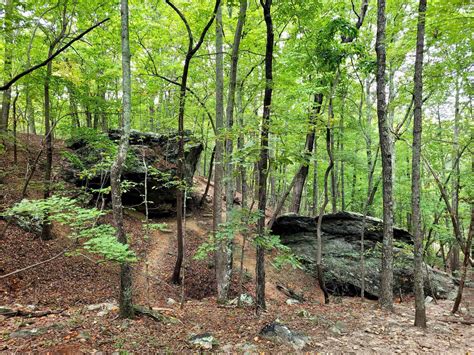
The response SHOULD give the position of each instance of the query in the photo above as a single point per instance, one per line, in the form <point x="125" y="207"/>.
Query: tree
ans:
<point x="55" y="41"/>
<point x="420" y="312"/>
<point x="126" y="297"/>
<point x="263" y="161"/>
<point x="386" y="148"/>
<point x="191" y="51"/>
<point x="7" y="69"/>
<point x="222" y="253"/>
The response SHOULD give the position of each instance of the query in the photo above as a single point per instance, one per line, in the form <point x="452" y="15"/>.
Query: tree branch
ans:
<point x="8" y="84"/>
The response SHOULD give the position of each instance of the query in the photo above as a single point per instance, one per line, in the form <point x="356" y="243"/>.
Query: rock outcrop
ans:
<point x="158" y="151"/>
<point x="341" y="254"/>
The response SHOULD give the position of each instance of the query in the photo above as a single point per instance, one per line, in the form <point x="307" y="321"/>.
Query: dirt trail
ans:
<point x="161" y="249"/>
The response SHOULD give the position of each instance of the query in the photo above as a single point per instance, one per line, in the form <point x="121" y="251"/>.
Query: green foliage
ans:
<point x="82" y="223"/>
<point x="242" y="221"/>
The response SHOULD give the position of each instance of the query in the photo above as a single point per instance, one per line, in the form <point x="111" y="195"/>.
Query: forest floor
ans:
<point x="81" y="295"/>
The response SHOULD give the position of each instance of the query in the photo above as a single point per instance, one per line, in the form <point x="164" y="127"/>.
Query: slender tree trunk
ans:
<point x="7" y="67"/>
<point x="221" y="254"/>
<point x="333" y="171"/>
<point x="263" y="162"/>
<point x="420" y="312"/>
<point x="319" y="243"/>
<point x="192" y="49"/>
<point x="368" y="139"/>
<point x="46" y="232"/>
<point x="126" y="297"/>
<point x="314" y="210"/>
<point x="302" y="173"/>
<point x="240" y="146"/>
<point x="225" y="249"/>
<point x="341" y="152"/>
<point x="386" y="284"/>
<point x="454" y="260"/>
<point x="465" y="265"/>
<point x="15" y="123"/>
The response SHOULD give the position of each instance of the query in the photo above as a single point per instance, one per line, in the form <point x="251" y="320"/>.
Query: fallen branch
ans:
<point x="461" y="321"/>
<point x="290" y="293"/>
<point x="34" y="265"/>
<point x="155" y="315"/>
<point x="20" y="313"/>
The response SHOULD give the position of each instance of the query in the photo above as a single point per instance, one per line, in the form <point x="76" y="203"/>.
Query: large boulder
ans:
<point x="340" y="233"/>
<point x="158" y="151"/>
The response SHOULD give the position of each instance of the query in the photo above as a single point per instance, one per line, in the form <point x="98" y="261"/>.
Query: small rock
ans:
<point x="292" y="301"/>
<point x="281" y="333"/>
<point x="228" y="348"/>
<point x="244" y="299"/>
<point x="428" y="299"/>
<point x="204" y="341"/>
<point x="104" y="308"/>
<point x="246" y="348"/>
<point x="170" y="301"/>
<point x="25" y="333"/>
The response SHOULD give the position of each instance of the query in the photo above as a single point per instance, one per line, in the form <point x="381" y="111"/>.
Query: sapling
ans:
<point x="84" y="230"/>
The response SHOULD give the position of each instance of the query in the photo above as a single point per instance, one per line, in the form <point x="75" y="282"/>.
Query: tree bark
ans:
<point x="7" y="67"/>
<point x="420" y="311"/>
<point x="454" y="260"/>
<point x="319" y="244"/>
<point x="465" y="265"/>
<point x="126" y="296"/>
<point x="221" y="254"/>
<point x="46" y="232"/>
<point x="386" y="285"/>
<point x="263" y="161"/>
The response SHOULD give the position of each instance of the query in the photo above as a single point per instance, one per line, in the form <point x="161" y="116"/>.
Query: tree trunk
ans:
<point x="386" y="284"/>
<point x="192" y="49"/>
<point x="7" y="67"/>
<point x="221" y="254"/>
<point x="465" y="265"/>
<point x="126" y="297"/>
<point x="420" y="311"/>
<point x="454" y="260"/>
<point x="15" y="122"/>
<point x="314" y="210"/>
<point x="302" y="173"/>
<point x="46" y="232"/>
<point x="319" y="244"/>
<point x="333" y="171"/>
<point x="263" y="162"/>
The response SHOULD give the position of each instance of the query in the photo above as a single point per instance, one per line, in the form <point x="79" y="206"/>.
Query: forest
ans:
<point x="236" y="176"/>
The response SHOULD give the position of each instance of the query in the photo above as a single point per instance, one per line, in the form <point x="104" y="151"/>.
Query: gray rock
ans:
<point x="281" y="333"/>
<point x="170" y="301"/>
<point x="246" y="348"/>
<point x="203" y="341"/>
<point x="341" y="254"/>
<point x="26" y="333"/>
<point x="292" y="301"/>
<point x="103" y="308"/>
<point x="228" y="348"/>
<point x="245" y="298"/>
<point x="428" y="299"/>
